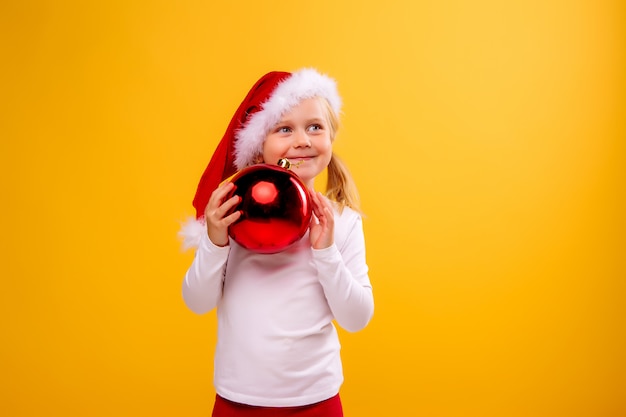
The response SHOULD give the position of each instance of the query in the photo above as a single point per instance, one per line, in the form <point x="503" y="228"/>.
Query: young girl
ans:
<point x="277" y="350"/>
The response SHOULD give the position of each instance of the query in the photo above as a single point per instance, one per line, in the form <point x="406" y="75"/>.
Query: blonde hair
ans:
<point x="340" y="187"/>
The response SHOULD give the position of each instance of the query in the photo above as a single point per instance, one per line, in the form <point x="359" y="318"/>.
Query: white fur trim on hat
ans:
<point x="302" y="84"/>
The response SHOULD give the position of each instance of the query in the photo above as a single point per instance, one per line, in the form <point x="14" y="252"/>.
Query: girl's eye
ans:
<point x="283" y="129"/>
<point x="315" y="127"/>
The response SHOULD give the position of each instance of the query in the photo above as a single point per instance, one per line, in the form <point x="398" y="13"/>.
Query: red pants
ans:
<point x="327" y="408"/>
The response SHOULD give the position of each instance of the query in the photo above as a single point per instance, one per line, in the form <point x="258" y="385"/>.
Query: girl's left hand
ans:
<point x="321" y="229"/>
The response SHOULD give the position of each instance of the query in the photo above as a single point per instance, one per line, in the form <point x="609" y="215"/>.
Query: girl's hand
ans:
<point x="215" y="213"/>
<point x="321" y="229"/>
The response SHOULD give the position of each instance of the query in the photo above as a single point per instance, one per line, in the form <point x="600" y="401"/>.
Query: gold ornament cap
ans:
<point x="284" y="163"/>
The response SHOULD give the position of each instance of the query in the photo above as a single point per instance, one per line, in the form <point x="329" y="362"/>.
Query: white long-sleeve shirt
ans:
<point x="277" y="345"/>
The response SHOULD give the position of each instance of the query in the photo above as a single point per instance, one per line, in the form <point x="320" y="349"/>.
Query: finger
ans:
<point x="323" y="200"/>
<point x="322" y="210"/>
<point x="220" y="193"/>
<point x="232" y="218"/>
<point x="216" y="207"/>
<point x="317" y="204"/>
<point x="327" y="207"/>
<point x="329" y="218"/>
<point x="228" y="205"/>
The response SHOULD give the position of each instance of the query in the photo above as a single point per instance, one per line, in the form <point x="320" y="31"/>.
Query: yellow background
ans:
<point x="488" y="141"/>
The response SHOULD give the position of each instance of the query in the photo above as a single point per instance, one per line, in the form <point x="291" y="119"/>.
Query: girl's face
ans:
<point x="303" y="136"/>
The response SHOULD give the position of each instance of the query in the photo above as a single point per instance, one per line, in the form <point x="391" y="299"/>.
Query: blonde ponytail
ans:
<point x="340" y="187"/>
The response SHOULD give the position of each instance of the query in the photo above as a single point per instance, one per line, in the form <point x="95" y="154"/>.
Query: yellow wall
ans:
<point x="488" y="140"/>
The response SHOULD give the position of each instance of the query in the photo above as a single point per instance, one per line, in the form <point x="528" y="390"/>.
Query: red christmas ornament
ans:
<point x="275" y="205"/>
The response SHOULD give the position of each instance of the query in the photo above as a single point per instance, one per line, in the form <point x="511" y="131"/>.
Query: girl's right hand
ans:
<point x="217" y="221"/>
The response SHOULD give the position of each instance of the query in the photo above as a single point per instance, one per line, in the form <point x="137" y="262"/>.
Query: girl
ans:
<point x="277" y="349"/>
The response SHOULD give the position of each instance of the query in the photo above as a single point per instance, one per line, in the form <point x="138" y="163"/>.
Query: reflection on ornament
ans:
<point x="275" y="206"/>
<point x="264" y="192"/>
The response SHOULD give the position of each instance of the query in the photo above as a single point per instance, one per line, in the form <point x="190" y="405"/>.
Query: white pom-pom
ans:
<point x="191" y="232"/>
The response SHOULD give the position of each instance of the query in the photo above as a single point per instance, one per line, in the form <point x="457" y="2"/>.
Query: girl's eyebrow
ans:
<point x="307" y="121"/>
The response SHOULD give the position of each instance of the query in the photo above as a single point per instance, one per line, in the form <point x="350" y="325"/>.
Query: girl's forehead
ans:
<point x="310" y="107"/>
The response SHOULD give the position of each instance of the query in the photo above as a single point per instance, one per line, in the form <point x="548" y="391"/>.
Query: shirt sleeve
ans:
<point x="343" y="274"/>
<point x="204" y="280"/>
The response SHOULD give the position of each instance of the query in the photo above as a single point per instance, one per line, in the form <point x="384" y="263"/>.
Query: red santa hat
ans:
<point x="268" y="100"/>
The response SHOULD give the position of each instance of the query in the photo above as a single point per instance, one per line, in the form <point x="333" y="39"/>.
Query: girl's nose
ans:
<point x="301" y="139"/>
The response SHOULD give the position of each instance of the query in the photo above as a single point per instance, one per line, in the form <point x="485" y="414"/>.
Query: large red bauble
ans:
<point x="275" y="205"/>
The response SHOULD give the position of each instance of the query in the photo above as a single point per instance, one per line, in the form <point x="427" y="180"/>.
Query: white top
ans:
<point x="277" y="345"/>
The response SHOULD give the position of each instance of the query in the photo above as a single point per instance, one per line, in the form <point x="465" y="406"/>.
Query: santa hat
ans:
<point x="268" y="100"/>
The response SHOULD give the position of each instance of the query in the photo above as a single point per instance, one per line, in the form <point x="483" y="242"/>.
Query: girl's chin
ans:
<point x="302" y="173"/>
